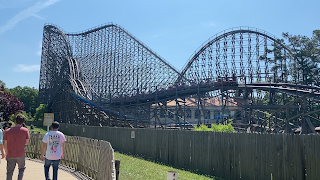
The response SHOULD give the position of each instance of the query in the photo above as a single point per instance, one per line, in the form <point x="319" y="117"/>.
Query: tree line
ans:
<point x="303" y="54"/>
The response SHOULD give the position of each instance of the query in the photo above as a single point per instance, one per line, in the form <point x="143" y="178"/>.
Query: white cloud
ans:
<point x="38" y="53"/>
<point x="39" y="49"/>
<point x="37" y="16"/>
<point x="25" y="68"/>
<point x="209" y="24"/>
<point x="31" y="11"/>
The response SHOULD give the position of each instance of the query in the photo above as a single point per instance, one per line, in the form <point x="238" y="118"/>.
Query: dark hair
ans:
<point x="7" y="125"/>
<point x="20" y="119"/>
<point x="55" y="125"/>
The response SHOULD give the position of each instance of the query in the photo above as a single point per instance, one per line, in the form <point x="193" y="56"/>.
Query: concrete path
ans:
<point x="34" y="171"/>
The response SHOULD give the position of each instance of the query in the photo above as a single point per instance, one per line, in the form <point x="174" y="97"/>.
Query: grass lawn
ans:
<point x="42" y="130"/>
<point x="132" y="168"/>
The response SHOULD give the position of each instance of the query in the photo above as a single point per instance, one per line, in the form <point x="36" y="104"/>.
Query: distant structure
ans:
<point x="211" y="112"/>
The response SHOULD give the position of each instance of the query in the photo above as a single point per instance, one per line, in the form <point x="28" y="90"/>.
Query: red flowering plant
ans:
<point x="9" y="104"/>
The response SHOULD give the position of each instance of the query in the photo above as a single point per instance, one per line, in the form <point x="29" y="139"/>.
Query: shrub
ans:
<point x="202" y="127"/>
<point x="40" y="112"/>
<point x="27" y="115"/>
<point x="9" y="104"/>
<point x="215" y="128"/>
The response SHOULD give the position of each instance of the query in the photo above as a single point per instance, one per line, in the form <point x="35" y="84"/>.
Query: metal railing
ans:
<point x="92" y="157"/>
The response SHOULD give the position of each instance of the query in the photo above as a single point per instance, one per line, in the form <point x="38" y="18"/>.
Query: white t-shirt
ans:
<point x="54" y="139"/>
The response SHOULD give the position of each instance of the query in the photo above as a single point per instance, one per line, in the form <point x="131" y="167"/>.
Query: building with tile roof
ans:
<point x="211" y="111"/>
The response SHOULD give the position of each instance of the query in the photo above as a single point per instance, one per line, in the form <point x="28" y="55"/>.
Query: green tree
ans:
<point x="306" y="53"/>
<point x="279" y="69"/>
<point x="27" y="115"/>
<point x="39" y="112"/>
<point x="29" y="96"/>
<point x="2" y="84"/>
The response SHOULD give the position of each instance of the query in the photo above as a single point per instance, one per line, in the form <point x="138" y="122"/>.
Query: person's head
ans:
<point x="6" y="127"/>
<point x="55" y="125"/>
<point x="20" y="119"/>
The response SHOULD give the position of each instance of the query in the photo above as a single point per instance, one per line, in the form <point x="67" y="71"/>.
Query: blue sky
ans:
<point x="174" y="29"/>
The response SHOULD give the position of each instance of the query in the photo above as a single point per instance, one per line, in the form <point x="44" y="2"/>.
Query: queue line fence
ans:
<point x="93" y="157"/>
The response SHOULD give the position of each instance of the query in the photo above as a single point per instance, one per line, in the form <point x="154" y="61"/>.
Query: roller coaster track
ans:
<point x="107" y="69"/>
<point x="310" y="91"/>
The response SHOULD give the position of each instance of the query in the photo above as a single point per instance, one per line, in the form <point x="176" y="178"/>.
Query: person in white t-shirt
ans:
<point x="53" y="146"/>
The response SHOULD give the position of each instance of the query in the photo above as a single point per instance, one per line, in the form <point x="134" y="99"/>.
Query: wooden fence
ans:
<point x="232" y="156"/>
<point x="90" y="156"/>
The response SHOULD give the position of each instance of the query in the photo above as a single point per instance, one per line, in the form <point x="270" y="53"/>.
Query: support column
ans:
<point x="287" y="126"/>
<point x="276" y="123"/>
<point x="198" y="104"/>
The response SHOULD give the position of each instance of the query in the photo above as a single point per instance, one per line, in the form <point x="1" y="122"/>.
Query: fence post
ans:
<point x="106" y="161"/>
<point x="36" y="139"/>
<point x="117" y="165"/>
<point x="81" y="153"/>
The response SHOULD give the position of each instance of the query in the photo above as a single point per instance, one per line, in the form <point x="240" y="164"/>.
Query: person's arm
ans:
<point x="2" y="152"/>
<point x="28" y="137"/>
<point x="62" y="148"/>
<point x="27" y="141"/>
<point x="5" y="146"/>
<point x="43" y="150"/>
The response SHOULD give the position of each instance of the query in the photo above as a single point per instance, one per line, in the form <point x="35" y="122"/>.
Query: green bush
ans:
<point x="215" y="128"/>
<point x="202" y="128"/>
<point x="40" y="112"/>
<point x="27" y="115"/>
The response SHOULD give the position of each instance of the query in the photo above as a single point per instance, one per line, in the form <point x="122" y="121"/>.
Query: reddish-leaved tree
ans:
<point x="9" y="104"/>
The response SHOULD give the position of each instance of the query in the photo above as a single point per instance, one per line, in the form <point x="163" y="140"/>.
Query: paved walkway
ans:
<point x="34" y="171"/>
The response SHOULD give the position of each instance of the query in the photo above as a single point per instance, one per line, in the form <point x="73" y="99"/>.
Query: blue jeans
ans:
<point x="47" y="164"/>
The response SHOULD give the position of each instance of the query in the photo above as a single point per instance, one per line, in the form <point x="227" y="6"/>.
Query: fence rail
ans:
<point x="92" y="157"/>
<point x="233" y="156"/>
